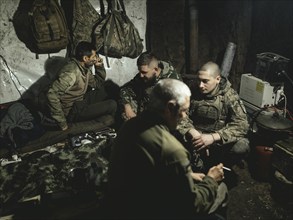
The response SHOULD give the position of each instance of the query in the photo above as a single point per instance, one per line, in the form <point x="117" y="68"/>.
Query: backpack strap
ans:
<point x="113" y="5"/>
<point x="102" y="8"/>
<point x="121" y="5"/>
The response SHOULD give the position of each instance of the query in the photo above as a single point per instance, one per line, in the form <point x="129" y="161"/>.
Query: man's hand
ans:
<point x="217" y="172"/>
<point x="203" y="141"/>
<point x="129" y="113"/>
<point x="64" y="127"/>
<point x="198" y="176"/>
<point x="99" y="62"/>
<point x="198" y="140"/>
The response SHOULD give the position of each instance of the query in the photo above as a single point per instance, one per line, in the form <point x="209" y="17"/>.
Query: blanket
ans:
<point x="64" y="169"/>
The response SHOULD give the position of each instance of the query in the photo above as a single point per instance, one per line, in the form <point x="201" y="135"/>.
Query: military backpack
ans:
<point x="49" y="32"/>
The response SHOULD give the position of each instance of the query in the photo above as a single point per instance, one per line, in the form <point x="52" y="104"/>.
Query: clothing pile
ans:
<point x="55" y="169"/>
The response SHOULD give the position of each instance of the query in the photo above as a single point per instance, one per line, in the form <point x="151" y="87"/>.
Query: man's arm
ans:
<point x="237" y="126"/>
<point x="186" y="128"/>
<point x="98" y="80"/>
<point x="127" y="97"/>
<point x="203" y="193"/>
<point x="57" y="89"/>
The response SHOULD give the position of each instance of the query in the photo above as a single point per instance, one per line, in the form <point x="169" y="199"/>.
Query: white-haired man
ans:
<point x="149" y="173"/>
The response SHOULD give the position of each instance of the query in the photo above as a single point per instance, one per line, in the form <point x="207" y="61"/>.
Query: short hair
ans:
<point x="166" y="90"/>
<point x="146" y="58"/>
<point x="84" y="48"/>
<point x="212" y="68"/>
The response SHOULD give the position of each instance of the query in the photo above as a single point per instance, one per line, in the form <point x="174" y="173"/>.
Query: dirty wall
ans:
<point x="20" y="69"/>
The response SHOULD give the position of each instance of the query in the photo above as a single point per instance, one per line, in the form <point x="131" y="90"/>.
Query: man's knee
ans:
<point x="242" y="146"/>
<point x="221" y="200"/>
<point x="112" y="106"/>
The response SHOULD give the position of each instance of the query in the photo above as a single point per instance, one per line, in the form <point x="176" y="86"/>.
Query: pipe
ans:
<point x="193" y="36"/>
<point x="228" y="59"/>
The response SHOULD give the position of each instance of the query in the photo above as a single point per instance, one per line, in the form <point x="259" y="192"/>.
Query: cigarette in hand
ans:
<point x="226" y="168"/>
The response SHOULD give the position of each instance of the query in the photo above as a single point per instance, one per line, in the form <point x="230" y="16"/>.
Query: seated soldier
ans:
<point x="78" y="94"/>
<point x="134" y="95"/>
<point x="219" y="117"/>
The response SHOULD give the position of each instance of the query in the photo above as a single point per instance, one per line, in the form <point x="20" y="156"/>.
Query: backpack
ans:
<point x="115" y="35"/>
<point x="48" y="27"/>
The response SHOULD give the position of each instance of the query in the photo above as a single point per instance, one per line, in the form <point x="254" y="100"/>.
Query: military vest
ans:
<point x="209" y="115"/>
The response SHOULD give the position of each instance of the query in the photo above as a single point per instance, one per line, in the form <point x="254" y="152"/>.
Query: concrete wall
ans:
<point x="20" y="68"/>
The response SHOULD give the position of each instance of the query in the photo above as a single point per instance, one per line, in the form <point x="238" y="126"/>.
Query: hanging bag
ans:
<point x="115" y="35"/>
<point x="81" y="16"/>
<point x="48" y="26"/>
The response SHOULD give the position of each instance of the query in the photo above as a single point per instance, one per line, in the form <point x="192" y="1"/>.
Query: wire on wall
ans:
<point x="12" y="76"/>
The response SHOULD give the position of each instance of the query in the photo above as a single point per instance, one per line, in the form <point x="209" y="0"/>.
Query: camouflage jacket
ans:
<point x="72" y="83"/>
<point x="222" y="112"/>
<point x="137" y="94"/>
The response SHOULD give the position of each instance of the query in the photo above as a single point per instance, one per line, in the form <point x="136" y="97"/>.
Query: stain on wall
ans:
<point x="25" y="69"/>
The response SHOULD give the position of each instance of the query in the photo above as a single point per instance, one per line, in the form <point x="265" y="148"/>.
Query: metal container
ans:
<point x="272" y="128"/>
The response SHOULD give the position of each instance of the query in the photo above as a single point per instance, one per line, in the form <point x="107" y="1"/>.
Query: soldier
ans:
<point x="149" y="169"/>
<point x="134" y="95"/>
<point x="78" y="94"/>
<point x="219" y="117"/>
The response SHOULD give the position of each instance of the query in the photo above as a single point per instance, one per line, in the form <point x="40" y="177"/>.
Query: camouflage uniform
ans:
<point x="222" y="112"/>
<point x="71" y="86"/>
<point x="136" y="93"/>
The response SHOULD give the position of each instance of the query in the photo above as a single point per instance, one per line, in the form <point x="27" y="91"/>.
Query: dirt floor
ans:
<point x="249" y="199"/>
<point x="253" y="198"/>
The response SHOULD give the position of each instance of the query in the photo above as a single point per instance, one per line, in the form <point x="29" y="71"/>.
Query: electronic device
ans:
<point x="259" y="93"/>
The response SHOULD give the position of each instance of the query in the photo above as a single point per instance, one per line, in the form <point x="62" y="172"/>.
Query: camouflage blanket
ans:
<point x="66" y="169"/>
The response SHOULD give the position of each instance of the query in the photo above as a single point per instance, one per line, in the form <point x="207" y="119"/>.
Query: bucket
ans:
<point x="263" y="162"/>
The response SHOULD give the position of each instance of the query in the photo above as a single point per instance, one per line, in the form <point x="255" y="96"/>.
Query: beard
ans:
<point x="89" y="64"/>
<point x="149" y="81"/>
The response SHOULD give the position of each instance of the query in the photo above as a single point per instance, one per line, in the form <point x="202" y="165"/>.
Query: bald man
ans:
<point x="217" y="124"/>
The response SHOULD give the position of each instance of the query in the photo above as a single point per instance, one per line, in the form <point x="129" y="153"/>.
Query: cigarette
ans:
<point x="226" y="168"/>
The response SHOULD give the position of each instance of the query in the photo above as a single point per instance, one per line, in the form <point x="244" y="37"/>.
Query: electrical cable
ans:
<point x="12" y="74"/>
<point x="285" y="103"/>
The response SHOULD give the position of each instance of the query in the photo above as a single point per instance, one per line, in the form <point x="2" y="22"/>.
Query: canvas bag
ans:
<point x="115" y="35"/>
<point x="48" y="27"/>
<point x="81" y="16"/>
